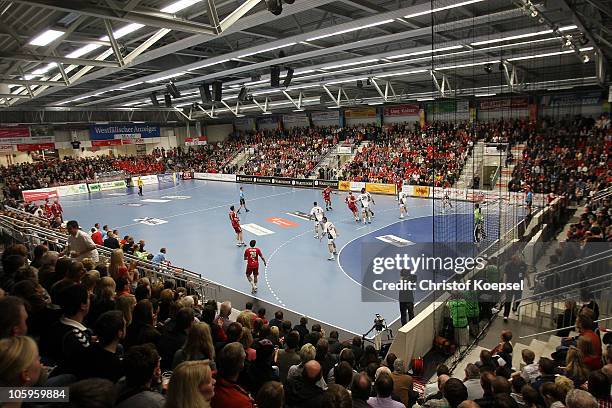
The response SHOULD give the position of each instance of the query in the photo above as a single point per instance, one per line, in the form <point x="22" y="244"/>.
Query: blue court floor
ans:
<point x="196" y="231"/>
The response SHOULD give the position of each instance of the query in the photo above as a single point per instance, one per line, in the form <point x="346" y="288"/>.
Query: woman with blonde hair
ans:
<point x="117" y="268"/>
<point x="19" y="362"/>
<point x="103" y="300"/>
<point x="575" y="369"/>
<point x="198" y="346"/>
<point x="246" y="339"/>
<point x="191" y="385"/>
<point x="126" y="305"/>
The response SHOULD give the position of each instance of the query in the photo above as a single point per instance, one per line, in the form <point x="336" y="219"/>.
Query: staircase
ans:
<point x="329" y="159"/>
<point x="506" y="172"/>
<point x="239" y="159"/>
<point x="472" y="167"/>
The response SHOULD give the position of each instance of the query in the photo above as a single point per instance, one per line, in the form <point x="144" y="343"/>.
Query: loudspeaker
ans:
<point x="275" y="76"/>
<point x="154" y="100"/>
<point x="288" y="77"/>
<point x="173" y="90"/>
<point x="168" y="100"/>
<point x="205" y="93"/>
<point x="274" y="6"/>
<point x="359" y="84"/>
<point x="217" y="91"/>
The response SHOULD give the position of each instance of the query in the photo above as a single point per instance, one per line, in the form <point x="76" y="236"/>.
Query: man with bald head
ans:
<point x="468" y="404"/>
<point x="302" y="391"/>
<point x="437" y="398"/>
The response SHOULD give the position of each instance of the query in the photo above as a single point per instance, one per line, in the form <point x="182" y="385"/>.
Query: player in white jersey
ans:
<point x="365" y="198"/>
<point x="403" y="204"/>
<point x="329" y="229"/>
<point x="317" y="214"/>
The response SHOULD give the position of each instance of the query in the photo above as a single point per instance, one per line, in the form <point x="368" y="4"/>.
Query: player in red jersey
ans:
<point x="351" y="201"/>
<point x="236" y="225"/>
<point x="251" y="256"/>
<point x="327" y="198"/>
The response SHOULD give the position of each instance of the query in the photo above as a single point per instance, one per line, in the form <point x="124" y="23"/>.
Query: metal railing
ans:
<point x="562" y="328"/>
<point x="28" y="233"/>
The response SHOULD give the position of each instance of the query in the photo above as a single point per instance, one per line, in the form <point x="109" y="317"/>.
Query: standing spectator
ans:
<point x="406" y="297"/>
<point x="514" y="272"/>
<point x="228" y="394"/>
<point x="117" y="268"/>
<point x="142" y="372"/>
<point x="191" y="386"/>
<point x="80" y="245"/>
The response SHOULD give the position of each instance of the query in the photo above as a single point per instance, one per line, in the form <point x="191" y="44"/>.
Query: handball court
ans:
<point x="190" y="219"/>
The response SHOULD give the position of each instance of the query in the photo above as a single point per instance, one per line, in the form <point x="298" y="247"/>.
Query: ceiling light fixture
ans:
<point x="348" y="30"/>
<point x="210" y="64"/>
<point x="46" y="37"/>
<point x="165" y="77"/>
<point x="266" y="50"/>
<point x="435" y="10"/>
<point x="526" y="35"/>
<point x="348" y="64"/>
<point x="410" y="54"/>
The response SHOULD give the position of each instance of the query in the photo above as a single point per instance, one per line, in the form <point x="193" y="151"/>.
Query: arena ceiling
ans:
<point x="109" y="55"/>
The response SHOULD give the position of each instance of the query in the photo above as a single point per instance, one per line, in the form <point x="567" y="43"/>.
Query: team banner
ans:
<point x="303" y="183"/>
<point x="186" y="175"/>
<point x="360" y="113"/>
<point x="402" y="110"/>
<point x="125" y="131"/>
<point x="264" y="180"/>
<point x="505" y="103"/>
<point x="380" y="188"/>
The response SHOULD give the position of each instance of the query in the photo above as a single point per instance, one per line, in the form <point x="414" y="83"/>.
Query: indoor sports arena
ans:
<point x="305" y="203"/>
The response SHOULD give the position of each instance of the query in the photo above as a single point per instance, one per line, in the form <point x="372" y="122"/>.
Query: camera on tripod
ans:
<point x="379" y="323"/>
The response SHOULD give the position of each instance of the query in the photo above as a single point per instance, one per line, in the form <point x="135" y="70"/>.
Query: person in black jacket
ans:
<point x="141" y="330"/>
<point x="302" y="329"/>
<point x="302" y="391"/>
<point x="260" y="371"/>
<point x="103" y="359"/>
